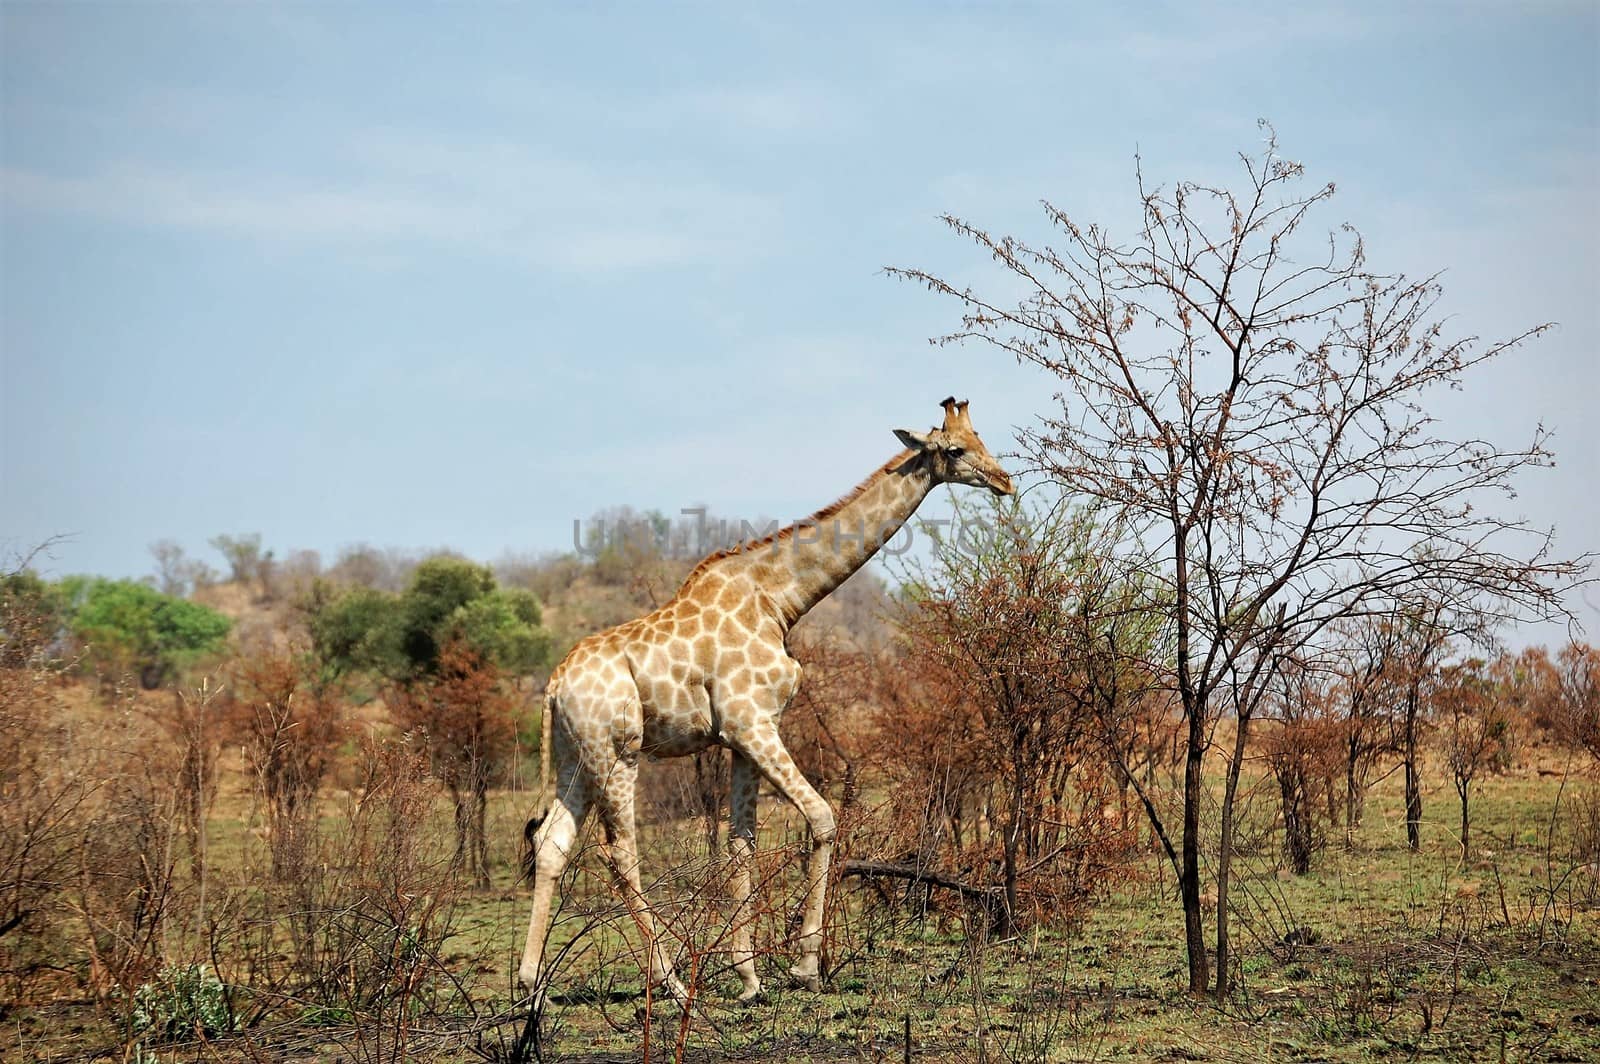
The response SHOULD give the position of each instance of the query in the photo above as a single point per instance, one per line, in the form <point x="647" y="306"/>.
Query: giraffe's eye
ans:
<point x="955" y="452"/>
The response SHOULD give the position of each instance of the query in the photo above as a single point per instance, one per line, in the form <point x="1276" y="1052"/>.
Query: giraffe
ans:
<point x="710" y="667"/>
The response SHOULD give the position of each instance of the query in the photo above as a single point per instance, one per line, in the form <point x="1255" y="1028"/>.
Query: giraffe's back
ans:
<point x="662" y="680"/>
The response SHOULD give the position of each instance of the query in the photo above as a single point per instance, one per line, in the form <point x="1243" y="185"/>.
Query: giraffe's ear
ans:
<point x="917" y="441"/>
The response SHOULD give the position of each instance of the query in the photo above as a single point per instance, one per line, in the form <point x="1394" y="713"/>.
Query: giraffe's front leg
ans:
<point x="807" y="971"/>
<point x="766" y="752"/>
<point x="553" y="847"/>
<point x="741" y="851"/>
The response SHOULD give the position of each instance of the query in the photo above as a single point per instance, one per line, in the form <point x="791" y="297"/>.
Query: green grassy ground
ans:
<point x="1413" y="956"/>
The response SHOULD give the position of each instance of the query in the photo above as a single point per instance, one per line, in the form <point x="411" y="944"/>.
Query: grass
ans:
<point x="1412" y="956"/>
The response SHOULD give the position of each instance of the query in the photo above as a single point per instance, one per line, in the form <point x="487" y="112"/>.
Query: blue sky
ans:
<point x="456" y="275"/>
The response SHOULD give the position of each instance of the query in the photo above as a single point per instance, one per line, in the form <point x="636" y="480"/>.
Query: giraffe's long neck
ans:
<point x="804" y="562"/>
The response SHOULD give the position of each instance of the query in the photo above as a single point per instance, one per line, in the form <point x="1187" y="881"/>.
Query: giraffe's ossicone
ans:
<point x="711" y="668"/>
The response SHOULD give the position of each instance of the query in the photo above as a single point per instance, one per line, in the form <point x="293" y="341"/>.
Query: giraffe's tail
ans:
<point x="530" y="830"/>
<point x="530" y="845"/>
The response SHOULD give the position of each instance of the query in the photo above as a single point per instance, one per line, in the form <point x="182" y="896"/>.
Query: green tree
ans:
<point x="432" y="608"/>
<point x="125" y="625"/>
<point x="453" y="599"/>
<point x="353" y="630"/>
<point x="505" y="626"/>
<point x="400" y="637"/>
<point x="444" y="644"/>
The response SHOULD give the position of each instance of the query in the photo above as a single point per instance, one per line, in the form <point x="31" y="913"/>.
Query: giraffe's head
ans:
<point x="955" y="454"/>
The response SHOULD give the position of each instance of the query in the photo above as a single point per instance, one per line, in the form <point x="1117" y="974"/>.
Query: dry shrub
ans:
<point x="196" y="725"/>
<point x="1583" y="826"/>
<point x="1572" y="699"/>
<point x="126" y="882"/>
<point x="1007" y="661"/>
<point x="1304" y="753"/>
<point x="289" y="728"/>
<point x="393" y="896"/>
<point x="46" y="790"/>
<point x="356" y="940"/>
<point x="98" y="803"/>
<point x="1021" y="823"/>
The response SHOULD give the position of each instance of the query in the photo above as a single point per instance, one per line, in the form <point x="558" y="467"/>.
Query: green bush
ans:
<point x="125" y="625"/>
<point x="183" y="1002"/>
<point x="400" y="636"/>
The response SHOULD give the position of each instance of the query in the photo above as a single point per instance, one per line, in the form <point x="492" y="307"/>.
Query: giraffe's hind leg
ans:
<point x="553" y="845"/>
<point x="741" y="851"/>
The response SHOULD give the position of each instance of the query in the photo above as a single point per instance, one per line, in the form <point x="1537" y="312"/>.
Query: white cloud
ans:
<point x="270" y="210"/>
<point x="397" y="191"/>
<point x="1251" y="30"/>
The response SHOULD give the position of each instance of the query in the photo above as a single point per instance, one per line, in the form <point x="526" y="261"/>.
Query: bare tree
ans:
<point x="1367" y="651"/>
<point x="1477" y="731"/>
<point x="243" y="554"/>
<point x="1249" y="403"/>
<point x="173" y="568"/>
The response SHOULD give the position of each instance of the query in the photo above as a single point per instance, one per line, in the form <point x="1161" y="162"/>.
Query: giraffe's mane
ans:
<point x="752" y="545"/>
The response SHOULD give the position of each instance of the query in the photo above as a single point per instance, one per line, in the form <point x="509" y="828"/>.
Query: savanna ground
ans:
<point x="1378" y="954"/>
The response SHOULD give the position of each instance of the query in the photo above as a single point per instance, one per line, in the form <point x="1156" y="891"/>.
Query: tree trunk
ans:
<point x="1462" y="787"/>
<point x="463" y="819"/>
<point x="1413" y="783"/>
<point x="197" y="852"/>
<point x="1225" y="857"/>
<point x="1013" y="842"/>
<point x="1124" y="808"/>
<point x="1413" y="789"/>
<point x="1296" y="820"/>
<point x="480" y="816"/>
<point x="1351" y="816"/>
<point x="1189" y="879"/>
<point x="286" y="817"/>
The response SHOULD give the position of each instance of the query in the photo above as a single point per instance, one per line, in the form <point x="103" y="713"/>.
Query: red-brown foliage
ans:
<point x="290" y="730"/>
<point x="463" y="715"/>
<point x="988" y="722"/>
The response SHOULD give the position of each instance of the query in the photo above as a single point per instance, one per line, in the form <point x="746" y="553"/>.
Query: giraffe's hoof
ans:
<point x="805" y="976"/>
<point x="534" y="999"/>
<point x="752" y="995"/>
<point x="527" y="980"/>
